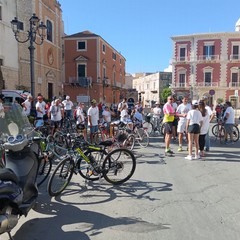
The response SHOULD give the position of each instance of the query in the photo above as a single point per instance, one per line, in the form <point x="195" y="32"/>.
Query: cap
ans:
<point x="93" y="101"/>
<point x="67" y="97"/>
<point x="195" y="102"/>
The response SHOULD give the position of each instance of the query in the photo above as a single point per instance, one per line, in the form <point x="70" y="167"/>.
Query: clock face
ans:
<point x="50" y="56"/>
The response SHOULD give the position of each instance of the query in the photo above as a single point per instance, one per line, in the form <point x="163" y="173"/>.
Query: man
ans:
<point x="27" y="105"/>
<point x="121" y="105"/>
<point x="181" y="112"/>
<point x="169" y="114"/>
<point x="56" y="114"/>
<point x="229" y="121"/>
<point x="211" y="114"/>
<point x="80" y="119"/>
<point x="93" y="118"/>
<point x="67" y="104"/>
<point x="157" y="111"/>
<point x="40" y="108"/>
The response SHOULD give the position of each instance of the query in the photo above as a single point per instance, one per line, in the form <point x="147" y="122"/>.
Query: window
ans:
<point x="182" y="54"/>
<point x="208" y="52"/>
<point x="234" y="79"/>
<point x="182" y="77"/>
<point x="235" y="52"/>
<point x="81" y="70"/>
<point x="49" y="31"/>
<point x="114" y="56"/>
<point x="207" y="78"/>
<point x="81" y="45"/>
<point x="104" y="48"/>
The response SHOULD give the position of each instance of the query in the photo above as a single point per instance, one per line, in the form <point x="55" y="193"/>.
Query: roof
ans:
<point x="82" y="34"/>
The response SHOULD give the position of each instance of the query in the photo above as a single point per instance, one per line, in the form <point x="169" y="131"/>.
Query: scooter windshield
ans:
<point x="13" y="121"/>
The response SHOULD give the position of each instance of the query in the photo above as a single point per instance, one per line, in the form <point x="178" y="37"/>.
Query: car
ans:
<point x="11" y="96"/>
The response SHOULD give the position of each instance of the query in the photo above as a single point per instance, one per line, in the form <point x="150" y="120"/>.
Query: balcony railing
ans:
<point x="80" y="81"/>
<point x="208" y="57"/>
<point x="207" y="84"/>
<point x="180" y="85"/>
<point x="234" y="57"/>
<point x="181" y="59"/>
<point x="234" y="84"/>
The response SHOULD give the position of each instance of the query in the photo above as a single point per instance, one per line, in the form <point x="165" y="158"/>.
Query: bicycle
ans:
<point x="93" y="162"/>
<point x="141" y="135"/>
<point x="147" y="124"/>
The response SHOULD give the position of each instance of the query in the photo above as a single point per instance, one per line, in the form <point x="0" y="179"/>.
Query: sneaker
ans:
<point x="169" y="151"/>
<point x="180" y="149"/>
<point x="197" y="157"/>
<point x="188" y="157"/>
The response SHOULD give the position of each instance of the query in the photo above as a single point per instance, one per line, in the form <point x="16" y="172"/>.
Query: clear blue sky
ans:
<point x="141" y="29"/>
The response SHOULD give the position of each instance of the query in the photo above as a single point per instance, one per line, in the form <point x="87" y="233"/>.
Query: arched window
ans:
<point x="49" y="31"/>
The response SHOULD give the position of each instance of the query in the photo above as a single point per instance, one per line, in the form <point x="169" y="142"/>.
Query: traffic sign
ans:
<point x="212" y="92"/>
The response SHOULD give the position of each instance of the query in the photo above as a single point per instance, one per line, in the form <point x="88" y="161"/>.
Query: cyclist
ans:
<point x="228" y="118"/>
<point x="157" y="111"/>
<point x="93" y="118"/>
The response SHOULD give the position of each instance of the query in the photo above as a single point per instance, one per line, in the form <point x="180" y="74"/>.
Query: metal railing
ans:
<point x="208" y="57"/>
<point x="80" y="81"/>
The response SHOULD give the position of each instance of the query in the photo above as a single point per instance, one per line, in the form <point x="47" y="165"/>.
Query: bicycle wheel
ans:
<point x="87" y="170"/>
<point x="44" y="169"/>
<point x="61" y="177"/>
<point x="235" y="133"/>
<point x="142" y="137"/>
<point x="148" y="126"/>
<point x="119" y="166"/>
<point x="215" y="130"/>
<point x="129" y="143"/>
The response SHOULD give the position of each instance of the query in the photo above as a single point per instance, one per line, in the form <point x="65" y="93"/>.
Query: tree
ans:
<point x="164" y="94"/>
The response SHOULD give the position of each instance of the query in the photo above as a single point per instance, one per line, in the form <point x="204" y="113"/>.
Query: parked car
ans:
<point x="11" y="96"/>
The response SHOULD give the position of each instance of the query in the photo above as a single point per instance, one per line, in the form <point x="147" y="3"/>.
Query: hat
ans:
<point x="67" y="97"/>
<point x="195" y="102"/>
<point x="93" y="101"/>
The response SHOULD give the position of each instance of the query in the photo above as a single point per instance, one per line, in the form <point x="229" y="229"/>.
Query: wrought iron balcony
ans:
<point x="80" y="81"/>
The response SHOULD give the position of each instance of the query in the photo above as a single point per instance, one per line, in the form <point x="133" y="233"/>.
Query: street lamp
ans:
<point x="35" y="30"/>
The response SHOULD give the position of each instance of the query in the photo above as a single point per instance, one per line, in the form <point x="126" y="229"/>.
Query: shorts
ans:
<point x="195" y="128"/>
<point x="175" y="122"/>
<point x="93" y="129"/>
<point x="228" y="127"/>
<point x="56" y="124"/>
<point x="181" y="127"/>
<point x="168" y="127"/>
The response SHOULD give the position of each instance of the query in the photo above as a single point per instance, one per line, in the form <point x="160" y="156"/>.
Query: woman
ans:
<point x="194" y="122"/>
<point x="204" y="127"/>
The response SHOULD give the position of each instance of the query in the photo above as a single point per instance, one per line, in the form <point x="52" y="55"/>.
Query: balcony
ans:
<point x="207" y="84"/>
<point x="234" y="57"/>
<point x="211" y="58"/>
<point x="234" y="84"/>
<point x="180" y="85"/>
<point x="80" y="81"/>
<point x="182" y="59"/>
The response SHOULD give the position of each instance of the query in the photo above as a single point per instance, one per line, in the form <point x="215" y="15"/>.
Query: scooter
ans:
<point x="18" y="191"/>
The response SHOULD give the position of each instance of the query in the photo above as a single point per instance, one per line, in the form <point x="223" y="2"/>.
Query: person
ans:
<point x="27" y="105"/>
<point x="125" y="117"/>
<point x="211" y="114"/>
<point x="229" y="121"/>
<point x="107" y="116"/>
<point x="181" y="112"/>
<point x="169" y="113"/>
<point x="204" y="128"/>
<point x="139" y="107"/>
<point x="175" y="121"/>
<point x="68" y="105"/>
<point x="193" y="125"/>
<point x="93" y="118"/>
<point x="55" y="114"/>
<point x="157" y="111"/>
<point x="218" y="110"/>
<point x="138" y="117"/>
<point x="80" y="119"/>
<point x="121" y="105"/>
<point x="40" y="108"/>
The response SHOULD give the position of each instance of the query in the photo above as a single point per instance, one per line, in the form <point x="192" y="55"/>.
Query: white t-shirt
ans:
<point x="124" y="117"/>
<point x="67" y="104"/>
<point x="41" y="107"/>
<point x="157" y="112"/>
<point x="80" y="116"/>
<point x="230" y="119"/>
<point x="205" y="124"/>
<point x="183" y="109"/>
<point x="107" y="115"/>
<point x="195" y="117"/>
<point x="27" y="107"/>
<point x="93" y="112"/>
<point x="210" y="112"/>
<point x="55" y="113"/>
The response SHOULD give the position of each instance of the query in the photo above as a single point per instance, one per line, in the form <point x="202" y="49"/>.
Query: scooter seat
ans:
<point x="7" y="174"/>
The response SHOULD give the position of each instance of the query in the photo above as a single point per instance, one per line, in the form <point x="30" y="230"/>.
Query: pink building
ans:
<point x="207" y="65"/>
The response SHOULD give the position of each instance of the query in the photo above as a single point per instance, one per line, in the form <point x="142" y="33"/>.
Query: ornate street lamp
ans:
<point x="35" y="30"/>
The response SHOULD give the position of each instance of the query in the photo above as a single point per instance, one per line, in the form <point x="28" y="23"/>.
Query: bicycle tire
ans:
<point x="87" y="170"/>
<point x="116" y="164"/>
<point x="215" y="130"/>
<point x="235" y="133"/>
<point x="60" y="177"/>
<point x="129" y="143"/>
<point x="144" y="141"/>
<point x="148" y="126"/>
<point x="44" y="169"/>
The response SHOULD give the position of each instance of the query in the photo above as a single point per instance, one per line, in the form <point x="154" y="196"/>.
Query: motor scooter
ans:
<point x="19" y="143"/>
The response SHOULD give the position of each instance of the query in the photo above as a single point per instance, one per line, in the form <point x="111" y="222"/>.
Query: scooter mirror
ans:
<point x="13" y="129"/>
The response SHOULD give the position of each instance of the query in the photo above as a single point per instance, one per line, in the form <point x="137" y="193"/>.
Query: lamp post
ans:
<point x="35" y="30"/>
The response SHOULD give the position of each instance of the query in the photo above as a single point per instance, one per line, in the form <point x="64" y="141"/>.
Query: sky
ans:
<point x="141" y="30"/>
